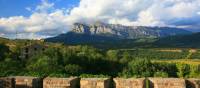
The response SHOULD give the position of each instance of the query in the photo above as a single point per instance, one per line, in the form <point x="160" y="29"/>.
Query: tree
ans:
<point x="139" y="67"/>
<point x="194" y="71"/>
<point x="125" y="58"/>
<point x="73" y="69"/>
<point x="112" y="55"/>
<point x="4" y="51"/>
<point x="10" y="67"/>
<point x="183" y="70"/>
<point x="46" y="63"/>
<point x="161" y="74"/>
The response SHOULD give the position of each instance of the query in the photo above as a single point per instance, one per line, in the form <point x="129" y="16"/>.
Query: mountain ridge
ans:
<point x="126" y="32"/>
<point x="109" y="35"/>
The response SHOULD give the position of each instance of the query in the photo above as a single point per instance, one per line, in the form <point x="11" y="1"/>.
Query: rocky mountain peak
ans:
<point x="126" y="32"/>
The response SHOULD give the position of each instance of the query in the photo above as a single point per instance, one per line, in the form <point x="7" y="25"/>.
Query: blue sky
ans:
<point x="35" y="19"/>
<point x="18" y="7"/>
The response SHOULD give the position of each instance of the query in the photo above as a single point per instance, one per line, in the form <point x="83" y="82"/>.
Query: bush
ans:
<point x="73" y="69"/>
<point x="161" y="74"/>
<point x="4" y="51"/>
<point x="183" y="70"/>
<point x="138" y="67"/>
<point x="44" y="64"/>
<point x="169" y="68"/>
<point x="194" y="71"/>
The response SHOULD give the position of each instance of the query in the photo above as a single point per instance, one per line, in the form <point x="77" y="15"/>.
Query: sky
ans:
<point x="36" y="19"/>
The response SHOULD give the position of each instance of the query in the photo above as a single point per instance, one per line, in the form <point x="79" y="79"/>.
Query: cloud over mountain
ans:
<point x="48" y="21"/>
<point x="137" y="12"/>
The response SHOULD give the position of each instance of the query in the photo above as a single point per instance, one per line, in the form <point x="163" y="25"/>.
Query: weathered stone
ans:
<point x="31" y="50"/>
<point x="61" y="83"/>
<point x="1" y="83"/>
<point x="95" y="83"/>
<point x="7" y="82"/>
<point x="193" y="83"/>
<point x="129" y="83"/>
<point x="27" y="82"/>
<point x="167" y="83"/>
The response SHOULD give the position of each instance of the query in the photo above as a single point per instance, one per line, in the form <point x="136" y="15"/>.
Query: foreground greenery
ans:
<point x="63" y="61"/>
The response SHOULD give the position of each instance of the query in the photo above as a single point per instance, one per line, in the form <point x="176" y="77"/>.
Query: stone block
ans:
<point x="167" y="83"/>
<point x="61" y="83"/>
<point x="27" y="82"/>
<point x="193" y="83"/>
<point x="129" y="83"/>
<point x="6" y="82"/>
<point x="95" y="83"/>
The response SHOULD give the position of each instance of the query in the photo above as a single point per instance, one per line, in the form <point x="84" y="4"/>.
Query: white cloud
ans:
<point x="38" y="25"/>
<point x="28" y="9"/>
<point x="93" y="10"/>
<point x="49" y="21"/>
<point x="184" y="9"/>
<point x="44" y="6"/>
<point x="146" y="18"/>
<point x="198" y="13"/>
<point x="135" y="12"/>
<point x="2" y="34"/>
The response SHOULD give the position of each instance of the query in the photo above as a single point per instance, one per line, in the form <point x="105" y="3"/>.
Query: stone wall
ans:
<point x="193" y="83"/>
<point x="167" y="83"/>
<point x="27" y="82"/>
<point x="7" y="82"/>
<point x="61" y="83"/>
<point x="129" y="83"/>
<point x="34" y="82"/>
<point x="95" y="83"/>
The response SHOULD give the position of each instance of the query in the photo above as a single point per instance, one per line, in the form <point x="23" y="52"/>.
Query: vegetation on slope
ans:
<point x="60" y="60"/>
<point x="105" y="42"/>
<point x="185" y="41"/>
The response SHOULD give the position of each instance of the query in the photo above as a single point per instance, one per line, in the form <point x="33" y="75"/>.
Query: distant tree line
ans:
<point x="85" y="61"/>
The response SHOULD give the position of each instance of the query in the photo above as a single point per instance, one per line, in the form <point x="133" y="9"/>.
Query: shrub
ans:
<point x="160" y="74"/>
<point x="183" y="70"/>
<point x="194" y="71"/>
<point x="73" y="69"/>
<point x="138" y="68"/>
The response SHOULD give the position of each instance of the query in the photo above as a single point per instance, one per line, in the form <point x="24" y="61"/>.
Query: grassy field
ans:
<point x="184" y="61"/>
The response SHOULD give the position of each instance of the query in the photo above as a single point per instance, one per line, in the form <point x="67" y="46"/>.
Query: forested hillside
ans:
<point x="59" y="60"/>
<point x="189" y="41"/>
<point x="103" y="42"/>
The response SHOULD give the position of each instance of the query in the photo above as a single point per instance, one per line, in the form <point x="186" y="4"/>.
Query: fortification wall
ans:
<point x="167" y="83"/>
<point x="34" y="82"/>
<point x="61" y="83"/>
<point x="95" y="83"/>
<point x="6" y="82"/>
<point x="193" y="83"/>
<point x="27" y="82"/>
<point x="129" y="83"/>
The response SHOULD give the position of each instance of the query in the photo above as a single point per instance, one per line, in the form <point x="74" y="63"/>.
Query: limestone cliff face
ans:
<point x="92" y="29"/>
<point x="126" y="32"/>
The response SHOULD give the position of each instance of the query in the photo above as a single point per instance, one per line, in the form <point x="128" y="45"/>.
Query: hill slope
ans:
<point x="109" y="35"/>
<point x="191" y="41"/>
<point x="99" y="41"/>
<point x="178" y="41"/>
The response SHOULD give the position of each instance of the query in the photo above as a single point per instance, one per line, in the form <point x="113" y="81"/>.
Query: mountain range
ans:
<point x="108" y="36"/>
<point x="118" y="36"/>
<point x="126" y="32"/>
